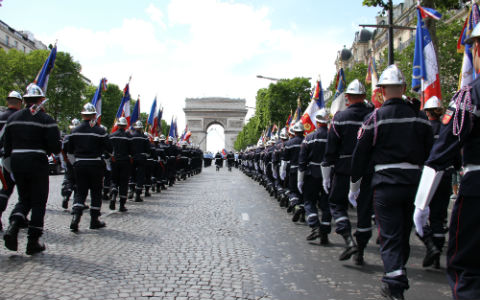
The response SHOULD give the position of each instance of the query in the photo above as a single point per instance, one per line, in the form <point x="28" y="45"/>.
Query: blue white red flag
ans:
<point x="152" y="117"/>
<point x="42" y="77"/>
<point x="124" y="107"/>
<point x="339" y="103"/>
<point x="425" y="76"/>
<point x="314" y="106"/>
<point x="467" y="74"/>
<point x="97" y="98"/>
<point x="429" y="12"/>
<point x="136" y="112"/>
<point x="171" y="132"/>
<point x="159" y="121"/>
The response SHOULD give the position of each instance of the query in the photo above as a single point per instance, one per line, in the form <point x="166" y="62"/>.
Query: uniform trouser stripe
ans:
<point x="395" y="273"/>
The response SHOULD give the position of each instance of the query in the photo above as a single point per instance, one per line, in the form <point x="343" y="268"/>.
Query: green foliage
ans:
<point x="359" y="71"/>
<point x="273" y="106"/>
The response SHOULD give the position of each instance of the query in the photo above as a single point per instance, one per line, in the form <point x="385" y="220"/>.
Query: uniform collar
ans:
<point x="393" y="101"/>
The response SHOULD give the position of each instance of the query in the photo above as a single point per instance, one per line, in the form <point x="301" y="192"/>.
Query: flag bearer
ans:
<point x="460" y="131"/>
<point x="310" y="177"/>
<point x="122" y="149"/>
<point x="85" y="147"/>
<point x="30" y="134"/>
<point x="140" y="152"/>
<point x="342" y="137"/>
<point x="396" y="140"/>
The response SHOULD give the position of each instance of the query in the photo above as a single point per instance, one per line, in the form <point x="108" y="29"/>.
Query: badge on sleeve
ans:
<point x="447" y="116"/>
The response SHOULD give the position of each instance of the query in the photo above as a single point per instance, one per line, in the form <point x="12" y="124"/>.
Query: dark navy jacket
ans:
<point x="291" y="152"/>
<point x="312" y="152"/>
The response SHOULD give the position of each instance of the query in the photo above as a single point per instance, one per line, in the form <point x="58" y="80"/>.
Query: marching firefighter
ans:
<point x="122" y="150"/>
<point x="309" y="177"/>
<point x="171" y="151"/>
<point x="218" y="161"/>
<point x="85" y="147"/>
<point x="396" y="140"/>
<point x="290" y="154"/>
<point x="30" y="134"/>
<point x="230" y="160"/>
<point x="14" y="103"/>
<point x="460" y="130"/>
<point x="140" y="151"/>
<point x="342" y="137"/>
<point x="68" y="184"/>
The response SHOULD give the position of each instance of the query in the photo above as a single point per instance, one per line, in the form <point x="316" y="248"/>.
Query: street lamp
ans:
<point x="275" y="79"/>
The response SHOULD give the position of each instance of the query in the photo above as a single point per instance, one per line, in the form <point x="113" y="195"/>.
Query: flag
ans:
<point x="429" y="12"/>
<point x="97" y="98"/>
<point x="176" y="128"/>
<point x="340" y="102"/>
<point x="425" y="76"/>
<point x="269" y="133"/>
<point x="136" y="112"/>
<point x="274" y="129"/>
<point x="298" y="112"/>
<point x="372" y="77"/>
<point x="42" y="77"/>
<point x="159" y="121"/>
<point x="289" y="120"/>
<point x="171" y="132"/>
<point x="314" y="106"/>
<point x="467" y="73"/>
<point x="186" y="134"/>
<point x="152" y="117"/>
<point x="124" y="108"/>
<point x="224" y="153"/>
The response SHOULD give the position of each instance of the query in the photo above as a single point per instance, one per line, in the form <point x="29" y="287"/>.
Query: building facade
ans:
<point x="20" y="40"/>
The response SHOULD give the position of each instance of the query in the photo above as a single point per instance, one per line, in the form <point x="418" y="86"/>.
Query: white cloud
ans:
<point x="156" y="15"/>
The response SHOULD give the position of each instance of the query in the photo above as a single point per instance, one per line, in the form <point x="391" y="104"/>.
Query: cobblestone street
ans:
<point x="213" y="236"/>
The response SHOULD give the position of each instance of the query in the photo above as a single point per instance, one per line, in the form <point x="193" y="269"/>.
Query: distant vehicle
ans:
<point x="54" y="164"/>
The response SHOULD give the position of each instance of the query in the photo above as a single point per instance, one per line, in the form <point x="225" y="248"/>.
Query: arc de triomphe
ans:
<point x="201" y="113"/>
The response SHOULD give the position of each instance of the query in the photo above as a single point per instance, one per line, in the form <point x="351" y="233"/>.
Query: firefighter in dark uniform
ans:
<point x="140" y="152"/>
<point x="230" y="160"/>
<point x="162" y="161"/>
<point x="14" y="103"/>
<point x="171" y="152"/>
<point x="310" y="177"/>
<point x="122" y="150"/>
<point x="342" y="137"/>
<point x="30" y="134"/>
<point x="460" y="131"/>
<point x="290" y="154"/>
<point x="68" y="184"/>
<point x="107" y="173"/>
<point x="218" y="161"/>
<point x="85" y="147"/>
<point x="396" y="140"/>
<point x="151" y="157"/>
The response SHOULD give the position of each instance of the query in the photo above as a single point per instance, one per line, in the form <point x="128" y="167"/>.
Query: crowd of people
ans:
<point x="125" y="164"/>
<point x="394" y="165"/>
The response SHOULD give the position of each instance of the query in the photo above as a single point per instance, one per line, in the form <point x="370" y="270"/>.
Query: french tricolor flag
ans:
<point x="425" y="76"/>
<point x="152" y="117"/>
<point x="97" y="98"/>
<point x="124" y="108"/>
<point x="317" y="103"/>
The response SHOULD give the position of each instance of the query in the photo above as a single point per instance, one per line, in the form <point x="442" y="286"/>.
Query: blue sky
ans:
<point x="194" y="48"/>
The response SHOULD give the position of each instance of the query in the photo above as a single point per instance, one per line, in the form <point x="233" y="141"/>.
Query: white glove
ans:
<point x="6" y="163"/>
<point x="274" y="172"/>
<point x="300" y="177"/>
<point x="326" y="171"/>
<point x="283" y="170"/>
<point x="420" y="218"/>
<point x="354" y="192"/>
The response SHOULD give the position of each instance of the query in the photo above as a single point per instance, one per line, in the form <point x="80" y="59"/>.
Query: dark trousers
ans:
<point x="338" y="201"/>
<point x="5" y="193"/>
<point x="313" y="196"/>
<point x="68" y="183"/>
<point x="439" y="210"/>
<point x="32" y="189"/>
<point x="139" y="169"/>
<point x="120" y="175"/>
<point x="364" y="212"/>
<point x="394" y="213"/>
<point x="463" y="264"/>
<point x="89" y="178"/>
<point x="148" y="173"/>
<point x="294" y="196"/>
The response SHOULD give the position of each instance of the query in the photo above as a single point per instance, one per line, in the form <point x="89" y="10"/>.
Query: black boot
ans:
<point x="33" y="245"/>
<point x="159" y="188"/>
<point x="432" y="252"/>
<point x="138" y="198"/>
<point x="147" y="192"/>
<point x="122" y="205"/>
<point x="130" y="193"/>
<point x="299" y="210"/>
<point x="95" y="223"/>
<point x="350" y="247"/>
<point x="106" y="195"/>
<point x="315" y="234"/>
<point x="324" y="239"/>
<point x="386" y="292"/>
<point x="11" y="235"/>
<point x="65" y="202"/>
<point x="359" y="261"/>
<point x="75" y="221"/>
<point x="114" y="199"/>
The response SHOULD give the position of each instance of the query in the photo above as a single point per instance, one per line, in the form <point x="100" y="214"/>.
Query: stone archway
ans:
<point x="200" y="113"/>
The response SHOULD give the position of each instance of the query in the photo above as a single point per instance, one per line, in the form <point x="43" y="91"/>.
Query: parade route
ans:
<point x="217" y="235"/>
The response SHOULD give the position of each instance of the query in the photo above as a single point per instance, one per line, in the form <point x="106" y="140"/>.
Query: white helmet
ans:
<point x="170" y="139"/>
<point x="283" y="134"/>
<point x="290" y="130"/>
<point x="34" y="91"/>
<point x="355" y="88"/>
<point x="162" y="138"/>
<point x="75" y="122"/>
<point x="298" y="127"/>
<point x="323" y="116"/>
<point x="14" y="95"/>
<point x="89" y="109"/>
<point x="156" y="139"/>
<point x="391" y="76"/>
<point x="122" y="121"/>
<point x="433" y="102"/>
<point x="138" y="125"/>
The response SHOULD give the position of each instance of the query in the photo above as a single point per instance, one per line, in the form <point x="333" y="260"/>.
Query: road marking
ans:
<point x="245" y="217"/>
